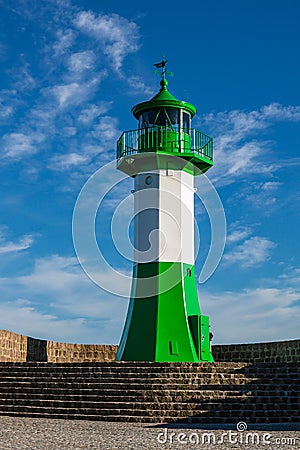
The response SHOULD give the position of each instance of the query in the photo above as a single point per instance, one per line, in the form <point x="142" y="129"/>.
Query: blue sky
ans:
<point x="70" y="73"/>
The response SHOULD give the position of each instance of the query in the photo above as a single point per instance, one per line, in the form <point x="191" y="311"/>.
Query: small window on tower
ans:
<point x="174" y="117"/>
<point x="148" y="119"/>
<point x="162" y="119"/>
<point x="148" y="180"/>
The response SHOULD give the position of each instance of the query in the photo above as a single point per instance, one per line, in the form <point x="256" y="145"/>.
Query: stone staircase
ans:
<point x="152" y="392"/>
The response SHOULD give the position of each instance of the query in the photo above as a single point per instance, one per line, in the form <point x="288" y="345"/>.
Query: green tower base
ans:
<point x="168" y="326"/>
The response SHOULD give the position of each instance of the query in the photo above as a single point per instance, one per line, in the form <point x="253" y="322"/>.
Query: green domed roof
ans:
<point x="163" y="99"/>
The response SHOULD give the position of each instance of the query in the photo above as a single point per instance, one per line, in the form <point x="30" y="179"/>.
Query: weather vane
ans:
<point x="162" y="65"/>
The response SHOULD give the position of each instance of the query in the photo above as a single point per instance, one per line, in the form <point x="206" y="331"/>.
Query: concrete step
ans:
<point x="159" y="387"/>
<point x="143" y="376"/>
<point x="164" y="395"/>
<point x="172" y="397"/>
<point x="151" y="408"/>
<point x="173" y="368"/>
<point x="219" y="419"/>
<point x="187" y="407"/>
<point x="161" y="367"/>
<point x="151" y="392"/>
<point x="170" y="390"/>
<point x="157" y="416"/>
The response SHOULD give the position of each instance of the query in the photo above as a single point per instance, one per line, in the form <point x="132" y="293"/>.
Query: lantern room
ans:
<point x="164" y="128"/>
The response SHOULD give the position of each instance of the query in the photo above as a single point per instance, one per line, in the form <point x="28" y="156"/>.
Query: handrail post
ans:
<point x="123" y="144"/>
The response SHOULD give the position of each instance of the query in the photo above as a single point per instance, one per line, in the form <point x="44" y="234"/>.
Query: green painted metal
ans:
<point x="188" y="143"/>
<point x="195" y="147"/>
<point x="167" y="326"/>
<point x="164" y="99"/>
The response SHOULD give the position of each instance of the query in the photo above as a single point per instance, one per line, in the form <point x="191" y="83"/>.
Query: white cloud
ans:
<point x="236" y="151"/>
<point x="74" y="93"/>
<point x="57" y="301"/>
<point x="61" y="303"/>
<point x="263" y="193"/>
<point x="240" y="124"/>
<point x="292" y="277"/>
<point x="253" y="315"/>
<point x="44" y="115"/>
<point x="67" y="161"/>
<point x="238" y="234"/>
<point x="7" y="246"/>
<point x="82" y="61"/>
<point x="251" y="253"/>
<point x="139" y="86"/>
<point x="91" y="112"/>
<point x="64" y="40"/>
<point x="69" y="94"/>
<point x="18" y="145"/>
<point x="68" y="131"/>
<point x="23" y="78"/>
<point x="270" y="185"/>
<point x="277" y="111"/>
<point x="23" y="317"/>
<point x="5" y="110"/>
<point x="116" y="35"/>
<point x="106" y="130"/>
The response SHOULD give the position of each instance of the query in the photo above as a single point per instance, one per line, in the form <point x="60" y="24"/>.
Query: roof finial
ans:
<point x="162" y="65"/>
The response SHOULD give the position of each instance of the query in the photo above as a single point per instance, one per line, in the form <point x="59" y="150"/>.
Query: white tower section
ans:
<point x="164" y="217"/>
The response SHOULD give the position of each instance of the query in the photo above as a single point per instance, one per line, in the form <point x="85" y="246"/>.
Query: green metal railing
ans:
<point x="155" y="139"/>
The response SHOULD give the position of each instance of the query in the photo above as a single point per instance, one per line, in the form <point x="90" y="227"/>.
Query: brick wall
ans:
<point x="18" y="348"/>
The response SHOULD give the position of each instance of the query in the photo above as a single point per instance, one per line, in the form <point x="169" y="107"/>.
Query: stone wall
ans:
<point x="60" y="352"/>
<point x="17" y="348"/>
<point x="13" y="346"/>
<point x="281" y="351"/>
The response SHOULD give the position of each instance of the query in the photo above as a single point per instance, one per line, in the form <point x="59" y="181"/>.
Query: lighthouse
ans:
<point x="163" y="156"/>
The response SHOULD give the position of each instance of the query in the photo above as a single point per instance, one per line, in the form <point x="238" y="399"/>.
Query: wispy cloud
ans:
<point x="8" y="246"/>
<point x="23" y="79"/>
<point x="267" y="193"/>
<point x="9" y="103"/>
<point x="246" y="250"/>
<point x="260" y="314"/>
<point x="23" y="316"/>
<point x="116" y="35"/>
<point x="240" y="149"/>
<point x="139" y="86"/>
<point x="74" y="93"/>
<point x="68" y="160"/>
<point x="5" y="110"/>
<point x="18" y="145"/>
<point x="106" y="130"/>
<point x="77" y="50"/>
<point x="82" y="61"/>
<point x="65" y="38"/>
<point x="276" y="111"/>
<point x="77" y="310"/>
<point x="239" y="234"/>
<point x="100" y="142"/>
<point x="93" y="111"/>
<point x="251" y="253"/>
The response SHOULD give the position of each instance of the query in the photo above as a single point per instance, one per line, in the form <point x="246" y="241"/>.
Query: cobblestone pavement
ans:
<point x="55" y="434"/>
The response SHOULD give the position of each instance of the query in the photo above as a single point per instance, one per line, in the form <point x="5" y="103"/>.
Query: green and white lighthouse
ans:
<point x="164" y="322"/>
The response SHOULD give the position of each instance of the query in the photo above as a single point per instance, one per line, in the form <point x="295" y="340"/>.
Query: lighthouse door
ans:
<point x="204" y="338"/>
